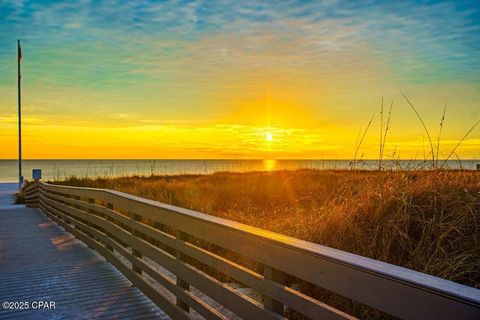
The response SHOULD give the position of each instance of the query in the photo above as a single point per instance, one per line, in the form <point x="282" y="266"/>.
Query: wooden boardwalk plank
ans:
<point x="39" y="261"/>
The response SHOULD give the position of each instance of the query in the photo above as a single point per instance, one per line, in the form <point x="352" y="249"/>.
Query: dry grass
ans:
<point x="427" y="221"/>
<point x="424" y="220"/>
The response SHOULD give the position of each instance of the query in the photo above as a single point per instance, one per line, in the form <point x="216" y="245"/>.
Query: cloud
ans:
<point x="108" y="43"/>
<point x="13" y="119"/>
<point x="194" y="64"/>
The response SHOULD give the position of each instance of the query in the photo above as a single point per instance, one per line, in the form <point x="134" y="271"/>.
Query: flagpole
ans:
<point x="20" y="176"/>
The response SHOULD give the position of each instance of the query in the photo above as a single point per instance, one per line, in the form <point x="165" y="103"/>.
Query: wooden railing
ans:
<point x="143" y="238"/>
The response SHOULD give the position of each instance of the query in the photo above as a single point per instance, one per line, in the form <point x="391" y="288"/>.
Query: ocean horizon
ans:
<point x="60" y="169"/>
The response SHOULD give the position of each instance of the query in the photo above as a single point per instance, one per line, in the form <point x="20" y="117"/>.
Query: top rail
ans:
<point x="129" y="225"/>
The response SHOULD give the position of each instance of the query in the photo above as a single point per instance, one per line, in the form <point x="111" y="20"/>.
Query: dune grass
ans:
<point x="427" y="221"/>
<point x="424" y="220"/>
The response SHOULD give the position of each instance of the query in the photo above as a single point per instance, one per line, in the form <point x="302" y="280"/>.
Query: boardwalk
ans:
<point x="39" y="261"/>
<point x="6" y="194"/>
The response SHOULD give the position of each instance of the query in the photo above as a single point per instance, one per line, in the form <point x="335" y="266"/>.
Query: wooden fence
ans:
<point x="137" y="235"/>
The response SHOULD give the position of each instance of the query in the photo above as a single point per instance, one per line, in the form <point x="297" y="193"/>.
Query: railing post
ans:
<point x="67" y="220"/>
<point x="109" y="206"/>
<point x="136" y="253"/>
<point x="277" y="276"/>
<point x="90" y="200"/>
<point x="180" y="282"/>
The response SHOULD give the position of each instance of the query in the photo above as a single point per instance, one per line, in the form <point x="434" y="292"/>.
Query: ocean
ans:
<point x="62" y="169"/>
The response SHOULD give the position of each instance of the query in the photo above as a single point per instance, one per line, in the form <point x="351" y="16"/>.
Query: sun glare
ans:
<point x="269" y="136"/>
<point x="269" y="164"/>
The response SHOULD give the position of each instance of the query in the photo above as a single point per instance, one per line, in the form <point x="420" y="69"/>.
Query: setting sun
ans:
<point x="269" y="136"/>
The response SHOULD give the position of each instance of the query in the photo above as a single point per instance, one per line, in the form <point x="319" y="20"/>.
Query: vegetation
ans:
<point x="423" y="220"/>
<point x="20" y="198"/>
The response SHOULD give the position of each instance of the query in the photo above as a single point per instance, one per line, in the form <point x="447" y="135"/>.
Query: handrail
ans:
<point x="114" y="223"/>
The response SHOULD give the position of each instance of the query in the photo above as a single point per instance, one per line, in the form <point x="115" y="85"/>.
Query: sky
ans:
<point x="239" y="79"/>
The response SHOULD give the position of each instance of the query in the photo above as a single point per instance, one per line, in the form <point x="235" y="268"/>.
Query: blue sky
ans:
<point x="420" y="40"/>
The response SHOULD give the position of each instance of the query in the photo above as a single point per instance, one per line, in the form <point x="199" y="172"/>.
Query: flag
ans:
<point x="19" y="52"/>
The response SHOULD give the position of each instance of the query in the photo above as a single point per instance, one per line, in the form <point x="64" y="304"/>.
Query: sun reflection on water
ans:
<point x="269" y="164"/>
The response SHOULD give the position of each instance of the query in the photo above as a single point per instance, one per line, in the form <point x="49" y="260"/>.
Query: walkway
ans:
<point x="40" y="262"/>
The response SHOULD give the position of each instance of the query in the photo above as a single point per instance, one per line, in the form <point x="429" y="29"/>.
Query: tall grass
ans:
<point x="423" y="220"/>
<point x="427" y="221"/>
<point x="359" y="142"/>
<point x="435" y="157"/>
<point x="459" y="143"/>
<point x="385" y="126"/>
<point x="442" y="121"/>
<point x="424" y="127"/>
<point x="383" y="133"/>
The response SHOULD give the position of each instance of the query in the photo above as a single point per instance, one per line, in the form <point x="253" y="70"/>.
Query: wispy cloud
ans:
<point x="107" y="43"/>
<point x="12" y="119"/>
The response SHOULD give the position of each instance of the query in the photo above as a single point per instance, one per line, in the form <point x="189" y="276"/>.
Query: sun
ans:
<point x="269" y="136"/>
